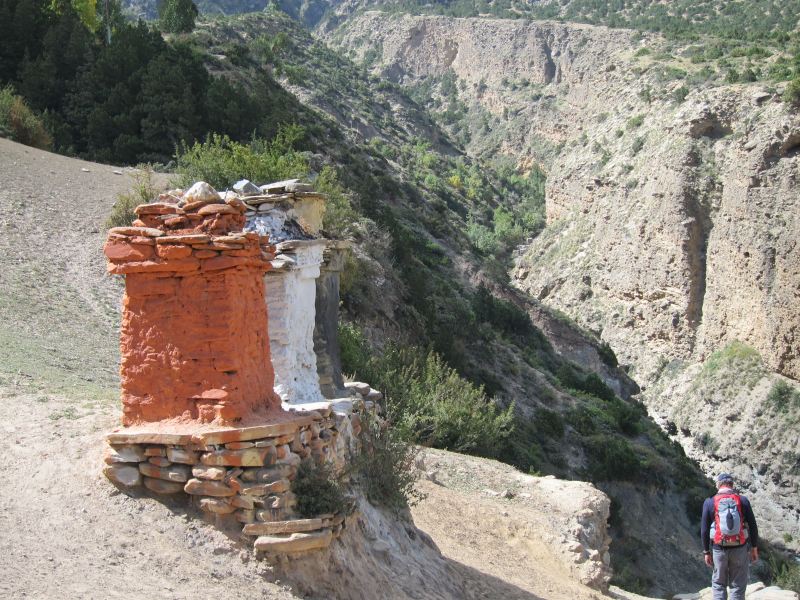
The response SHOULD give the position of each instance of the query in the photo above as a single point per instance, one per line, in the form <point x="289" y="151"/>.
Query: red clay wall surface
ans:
<point x="194" y="339"/>
<point x="194" y="335"/>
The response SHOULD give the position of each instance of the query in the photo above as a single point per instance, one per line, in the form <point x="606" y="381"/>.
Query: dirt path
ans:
<point x="495" y="540"/>
<point x="68" y="533"/>
<point x="520" y="538"/>
<point x="59" y="312"/>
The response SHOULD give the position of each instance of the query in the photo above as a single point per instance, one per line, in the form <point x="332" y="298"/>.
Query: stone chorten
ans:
<point x="326" y="333"/>
<point x="290" y="213"/>
<point x="201" y="417"/>
<point x="194" y="340"/>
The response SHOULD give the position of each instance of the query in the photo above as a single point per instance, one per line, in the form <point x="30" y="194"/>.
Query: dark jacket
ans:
<point x="708" y="519"/>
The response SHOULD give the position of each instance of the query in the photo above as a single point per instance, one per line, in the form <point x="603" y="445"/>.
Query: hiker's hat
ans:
<point x="724" y="478"/>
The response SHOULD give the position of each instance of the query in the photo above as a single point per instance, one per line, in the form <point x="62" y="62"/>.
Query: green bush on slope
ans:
<point x="783" y="397"/>
<point x="426" y="400"/>
<point x="319" y="489"/>
<point x="19" y="123"/>
<point x="143" y="191"/>
<point x="385" y="467"/>
<point x="222" y="162"/>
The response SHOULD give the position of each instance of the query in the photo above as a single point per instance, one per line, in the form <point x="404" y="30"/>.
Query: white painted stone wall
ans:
<point x="290" y="300"/>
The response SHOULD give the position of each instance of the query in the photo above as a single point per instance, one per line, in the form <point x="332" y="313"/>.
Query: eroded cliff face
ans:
<point x="672" y="210"/>
<point x="686" y="263"/>
<point x="536" y="78"/>
<point x="670" y="222"/>
<point x="696" y="248"/>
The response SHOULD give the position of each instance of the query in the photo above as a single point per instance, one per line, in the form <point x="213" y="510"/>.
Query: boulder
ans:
<point x="245" y="187"/>
<point x="124" y="475"/>
<point x="201" y="192"/>
<point x="297" y="542"/>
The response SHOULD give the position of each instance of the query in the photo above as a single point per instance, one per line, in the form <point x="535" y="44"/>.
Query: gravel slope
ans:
<point x="58" y="309"/>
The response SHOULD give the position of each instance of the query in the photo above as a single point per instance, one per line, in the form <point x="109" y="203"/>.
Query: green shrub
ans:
<point x="143" y="192"/>
<point x="590" y="383"/>
<point x="738" y="357"/>
<point x="611" y="458"/>
<point x="635" y="122"/>
<point x="580" y="418"/>
<point x="549" y="423"/>
<point x="19" y="123"/>
<point x="630" y="579"/>
<point x="783" y="396"/>
<point x="444" y="410"/>
<point x="792" y="92"/>
<point x="340" y="217"/>
<point x="501" y="314"/>
<point x="627" y="416"/>
<point x="783" y="572"/>
<point x="319" y="490"/>
<point x="221" y="161"/>
<point x="428" y="401"/>
<point x="177" y="16"/>
<point x="707" y="442"/>
<point x="354" y="350"/>
<point x="607" y="355"/>
<point x="384" y="468"/>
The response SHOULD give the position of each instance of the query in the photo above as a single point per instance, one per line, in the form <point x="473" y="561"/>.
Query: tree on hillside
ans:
<point x="177" y="16"/>
<point x="86" y="10"/>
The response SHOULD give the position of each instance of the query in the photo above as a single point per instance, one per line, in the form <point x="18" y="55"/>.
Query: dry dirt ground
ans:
<point x="67" y="532"/>
<point x="59" y="312"/>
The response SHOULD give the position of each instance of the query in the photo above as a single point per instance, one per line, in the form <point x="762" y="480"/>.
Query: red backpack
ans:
<point x="729" y="526"/>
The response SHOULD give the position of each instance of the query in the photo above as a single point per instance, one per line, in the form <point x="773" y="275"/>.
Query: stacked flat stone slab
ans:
<point x="243" y="474"/>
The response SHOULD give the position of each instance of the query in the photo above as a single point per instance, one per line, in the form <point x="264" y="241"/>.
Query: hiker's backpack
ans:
<point x="729" y="527"/>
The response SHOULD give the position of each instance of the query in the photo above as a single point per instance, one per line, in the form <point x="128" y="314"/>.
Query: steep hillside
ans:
<point x="570" y="430"/>
<point x="434" y="228"/>
<point x="416" y="273"/>
<point x="670" y="206"/>
<point x="58" y="309"/>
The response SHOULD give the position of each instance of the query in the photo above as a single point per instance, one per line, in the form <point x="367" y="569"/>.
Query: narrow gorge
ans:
<point x="671" y="218"/>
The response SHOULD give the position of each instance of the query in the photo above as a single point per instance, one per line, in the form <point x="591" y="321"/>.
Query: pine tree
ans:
<point x="177" y="16"/>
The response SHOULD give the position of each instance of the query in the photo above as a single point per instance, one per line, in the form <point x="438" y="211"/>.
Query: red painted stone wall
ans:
<point x="194" y="339"/>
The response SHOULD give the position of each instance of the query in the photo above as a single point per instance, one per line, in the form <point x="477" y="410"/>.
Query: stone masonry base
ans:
<point x="243" y="476"/>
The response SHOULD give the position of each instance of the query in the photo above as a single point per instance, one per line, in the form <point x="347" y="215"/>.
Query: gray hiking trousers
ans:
<point x="731" y="569"/>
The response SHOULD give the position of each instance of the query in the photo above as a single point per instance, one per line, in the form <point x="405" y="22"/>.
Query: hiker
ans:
<point x="730" y="537"/>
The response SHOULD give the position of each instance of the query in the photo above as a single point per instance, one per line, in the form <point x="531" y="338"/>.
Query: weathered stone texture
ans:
<point x="194" y="339"/>
<point x="326" y="334"/>
<point x="195" y="348"/>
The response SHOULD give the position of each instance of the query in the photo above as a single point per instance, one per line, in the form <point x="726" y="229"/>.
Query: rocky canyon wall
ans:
<point x="671" y="205"/>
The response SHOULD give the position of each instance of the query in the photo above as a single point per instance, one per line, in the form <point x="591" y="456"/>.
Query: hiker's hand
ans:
<point x="753" y="554"/>
<point x="709" y="560"/>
